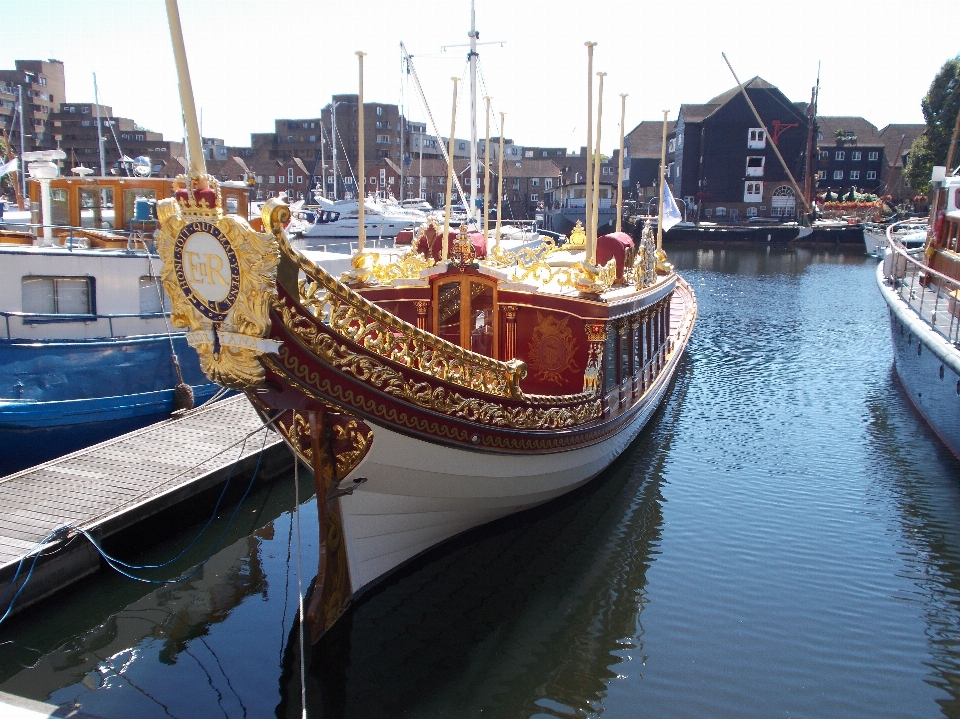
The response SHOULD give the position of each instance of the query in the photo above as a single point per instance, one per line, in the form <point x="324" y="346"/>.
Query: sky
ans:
<point x="252" y="61"/>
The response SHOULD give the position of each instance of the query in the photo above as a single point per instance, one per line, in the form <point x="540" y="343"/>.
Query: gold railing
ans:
<point x="356" y="318"/>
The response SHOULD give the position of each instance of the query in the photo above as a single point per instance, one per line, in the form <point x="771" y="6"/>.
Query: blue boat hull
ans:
<point x="60" y="396"/>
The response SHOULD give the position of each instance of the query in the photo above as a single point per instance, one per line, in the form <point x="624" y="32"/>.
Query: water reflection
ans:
<point x="535" y="613"/>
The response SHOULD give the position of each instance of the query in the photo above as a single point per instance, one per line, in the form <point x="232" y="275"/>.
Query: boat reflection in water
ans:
<point x="531" y="613"/>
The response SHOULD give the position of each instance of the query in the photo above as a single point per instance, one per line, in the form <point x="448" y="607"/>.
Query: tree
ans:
<point x="6" y="182"/>
<point x="940" y="107"/>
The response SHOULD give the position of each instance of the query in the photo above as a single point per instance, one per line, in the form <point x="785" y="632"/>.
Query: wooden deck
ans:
<point x="113" y="485"/>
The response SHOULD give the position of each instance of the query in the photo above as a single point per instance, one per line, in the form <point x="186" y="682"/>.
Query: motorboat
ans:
<point x="341" y="219"/>
<point x="908" y="233"/>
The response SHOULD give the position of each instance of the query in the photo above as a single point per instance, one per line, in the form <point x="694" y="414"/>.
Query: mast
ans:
<point x="472" y="211"/>
<point x="500" y="179"/>
<point x="194" y="146"/>
<point x="623" y="113"/>
<point x="594" y="220"/>
<point x="445" y="245"/>
<point x="663" y="161"/>
<point x="361" y="171"/>
<point x="486" y="173"/>
<point x="23" y="174"/>
<point x="96" y="99"/>
<point x="776" y="150"/>
<point x="588" y="209"/>
<point x="812" y="115"/>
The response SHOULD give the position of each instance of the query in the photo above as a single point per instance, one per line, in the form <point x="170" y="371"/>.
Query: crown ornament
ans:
<point x="198" y="196"/>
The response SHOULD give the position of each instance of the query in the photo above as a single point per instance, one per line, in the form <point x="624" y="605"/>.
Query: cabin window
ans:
<point x="59" y="206"/>
<point x="626" y="345"/>
<point x="57" y="295"/>
<point x="638" y="347"/>
<point x="96" y="208"/>
<point x="150" y="293"/>
<point x="756" y="138"/>
<point x="465" y="314"/>
<point x="610" y="360"/>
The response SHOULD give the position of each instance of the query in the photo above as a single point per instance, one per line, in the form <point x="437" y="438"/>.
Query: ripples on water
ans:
<point x="781" y="541"/>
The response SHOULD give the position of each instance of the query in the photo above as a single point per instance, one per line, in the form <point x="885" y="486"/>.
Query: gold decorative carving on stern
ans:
<point x="220" y="275"/>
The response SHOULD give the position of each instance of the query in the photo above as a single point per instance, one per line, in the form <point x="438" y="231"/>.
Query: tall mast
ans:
<point x="588" y="208"/>
<point x="96" y="99"/>
<point x="812" y="118"/>
<point x="594" y="221"/>
<point x="445" y="245"/>
<point x="486" y="173"/>
<point x="500" y="178"/>
<point x="663" y="160"/>
<point x="623" y="113"/>
<point x="194" y="145"/>
<point x="362" y="179"/>
<point x="472" y="210"/>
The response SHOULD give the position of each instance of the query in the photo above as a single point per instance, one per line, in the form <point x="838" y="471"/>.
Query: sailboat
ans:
<point x="428" y="396"/>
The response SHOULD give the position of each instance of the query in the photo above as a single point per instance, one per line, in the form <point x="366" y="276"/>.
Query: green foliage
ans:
<point x="940" y="107"/>
<point x="6" y="182"/>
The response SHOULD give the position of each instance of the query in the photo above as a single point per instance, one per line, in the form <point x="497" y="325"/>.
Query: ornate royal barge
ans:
<point x="433" y="392"/>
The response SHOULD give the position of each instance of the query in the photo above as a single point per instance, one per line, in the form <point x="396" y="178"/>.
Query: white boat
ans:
<point x="909" y="233"/>
<point x="86" y="348"/>
<point x="341" y="219"/>
<point x="922" y="292"/>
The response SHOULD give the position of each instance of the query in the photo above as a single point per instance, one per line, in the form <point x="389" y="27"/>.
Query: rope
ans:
<point x="116" y="563"/>
<point x="41" y="545"/>
<point x="296" y="512"/>
<point x="182" y="393"/>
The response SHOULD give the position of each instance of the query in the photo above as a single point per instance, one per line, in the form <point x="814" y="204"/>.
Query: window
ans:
<point x="289" y="175"/>
<point x="606" y="170"/>
<point x="840" y="155"/>
<point x="57" y="295"/>
<point x="854" y="174"/>
<point x="383" y="178"/>
<point x="528" y="153"/>
<point x="150" y="293"/>
<point x="534" y="197"/>
<point x="751" y="211"/>
<point x="516" y="184"/>
<point x="756" y="139"/>
<point x="281" y="179"/>
<point x="721" y="212"/>
<point x="822" y="175"/>
<point x="824" y="154"/>
<point x="463" y="146"/>
<point x="548" y="183"/>
<point x="271" y="180"/>
<point x="299" y="179"/>
<point x="85" y="111"/>
<point x="838" y="174"/>
<point x="535" y="182"/>
<point x="313" y="138"/>
<point x="383" y="139"/>
<point x="672" y="145"/>
<point x="855" y="156"/>
<point x="871" y="174"/>
<point x="874" y="156"/>
<point x="752" y="191"/>
<point x="755" y="166"/>
<point x="379" y="110"/>
<point x="544" y="153"/>
<point x="439" y="180"/>
<point x="259" y="179"/>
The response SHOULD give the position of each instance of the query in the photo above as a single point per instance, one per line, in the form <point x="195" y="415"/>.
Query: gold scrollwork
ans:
<point x="205" y="253"/>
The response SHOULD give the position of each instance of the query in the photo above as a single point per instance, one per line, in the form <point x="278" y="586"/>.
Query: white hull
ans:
<point x="349" y="229"/>
<point x="419" y="494"/>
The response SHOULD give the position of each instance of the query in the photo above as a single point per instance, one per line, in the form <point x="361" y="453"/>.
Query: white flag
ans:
<point x="671" y="213"/>
<point x="9" y="167"/>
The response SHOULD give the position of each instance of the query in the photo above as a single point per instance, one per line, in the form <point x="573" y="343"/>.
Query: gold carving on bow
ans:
<point x="220" y="275"/>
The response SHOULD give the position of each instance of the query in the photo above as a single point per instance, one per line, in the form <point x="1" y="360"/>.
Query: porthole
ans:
<point x="941" y="371"/>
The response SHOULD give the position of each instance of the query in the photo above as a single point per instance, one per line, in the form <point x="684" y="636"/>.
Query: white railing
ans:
<point x="932" y="295"/>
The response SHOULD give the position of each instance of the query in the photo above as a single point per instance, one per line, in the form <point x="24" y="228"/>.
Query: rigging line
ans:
<point x="424" y="105"/>
<point x="216" y="508"/>
<point x="199" y="464"/>
<point x="163" y="311"/>
<point x="296" y="505"/>
<point x="220" y="667"/>
<point x="190" y="654"/>
<point x="213" y="550"/>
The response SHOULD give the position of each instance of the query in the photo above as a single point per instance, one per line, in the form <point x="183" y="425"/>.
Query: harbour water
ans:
<point x="783" y="540"/>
